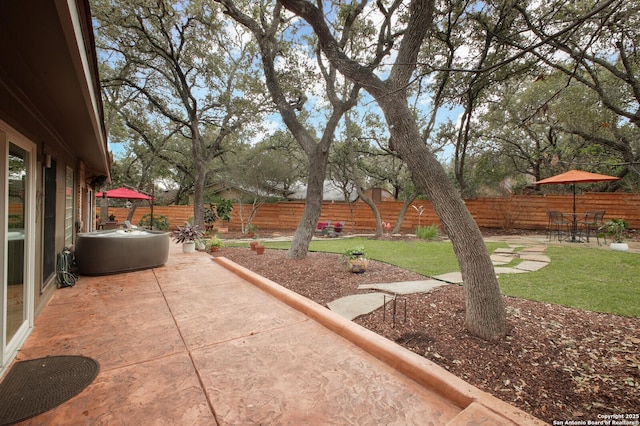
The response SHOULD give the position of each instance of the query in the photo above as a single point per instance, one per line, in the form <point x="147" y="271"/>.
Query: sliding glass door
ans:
<point x="18" y="198"/>
<point x="16" y="313"/>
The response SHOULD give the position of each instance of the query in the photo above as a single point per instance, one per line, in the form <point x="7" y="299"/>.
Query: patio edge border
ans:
<point x="475" y="403"/>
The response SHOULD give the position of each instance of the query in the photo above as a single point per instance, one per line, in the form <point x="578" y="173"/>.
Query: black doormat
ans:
<point x="34" y="386"/>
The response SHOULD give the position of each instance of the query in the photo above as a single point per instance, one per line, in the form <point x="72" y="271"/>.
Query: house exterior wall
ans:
<point x="49" y="102"/>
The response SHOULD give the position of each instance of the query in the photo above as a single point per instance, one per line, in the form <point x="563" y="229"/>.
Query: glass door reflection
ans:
<point x="17" y="177"/>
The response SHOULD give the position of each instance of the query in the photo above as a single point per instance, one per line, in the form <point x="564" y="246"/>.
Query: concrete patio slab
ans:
<point x="282" y="359"/>
<point x="404" y="287"/>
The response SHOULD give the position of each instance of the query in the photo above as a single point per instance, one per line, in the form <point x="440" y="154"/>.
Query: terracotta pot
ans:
<point x="260" y="249"/>
<point x="357" y="264"/>
<point x="253" y="245"/>
<point x="214" y="249"/>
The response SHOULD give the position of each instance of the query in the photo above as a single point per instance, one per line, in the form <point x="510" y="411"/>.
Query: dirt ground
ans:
<point x="556" y="363"/>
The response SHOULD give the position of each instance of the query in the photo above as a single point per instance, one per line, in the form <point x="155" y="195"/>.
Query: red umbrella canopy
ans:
<point x="127" y="193"/>
<point x="576" y="176"/>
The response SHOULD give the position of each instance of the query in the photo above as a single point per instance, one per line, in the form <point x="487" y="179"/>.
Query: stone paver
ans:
<point x="498" y="259"/>
<point x="536" y="249"/>
<point x="531" y="266"/>
<point x="450" y="277"/>
<point x="502" y="250"/>
<point x="507" y="270"/>
<point x="536" y="257"/>
<point x="353" y="306"/>
<point x="404" y="287"/>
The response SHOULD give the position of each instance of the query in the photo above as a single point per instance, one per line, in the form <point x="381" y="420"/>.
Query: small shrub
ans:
<point x="431" y="232"/>
<point x="615" y="229"/>
<point x="160" y="222"/>
<point x="187" y="233"/>
<point x="354" y="252"/>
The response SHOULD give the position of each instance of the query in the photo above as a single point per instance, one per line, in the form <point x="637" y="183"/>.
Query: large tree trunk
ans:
<point x="199" y="182"/>
<point x="485" y="313"/>
<point x="312" y="207"/>
<point x="372" y="205"/>
<point x="403" y="212"/>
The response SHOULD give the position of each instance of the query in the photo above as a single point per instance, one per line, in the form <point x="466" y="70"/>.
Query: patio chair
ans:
<point x="557" y="225"/>
<point x="337" y="228"/>
<point x="593" y="221"/>
<point x="321" y="227"/>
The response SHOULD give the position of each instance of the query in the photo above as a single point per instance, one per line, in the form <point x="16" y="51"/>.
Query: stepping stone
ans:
<point x="502" y="250"/>
<point x="531" y="266"/>
<point x="450" y="277"/>
<point x="502" y="270"/>
<point x="353" y="306"/>
<point x="498" y="259"/>
<point x="534" y="249"/>
<point x="404" y="287"/>
<point x="536" y="257"/>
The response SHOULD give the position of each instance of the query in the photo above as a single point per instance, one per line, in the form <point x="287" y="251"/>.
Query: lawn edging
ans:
<point x="477" y="406"/>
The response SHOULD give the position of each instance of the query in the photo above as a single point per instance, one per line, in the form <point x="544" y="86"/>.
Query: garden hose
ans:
<point x="64" y="276"/>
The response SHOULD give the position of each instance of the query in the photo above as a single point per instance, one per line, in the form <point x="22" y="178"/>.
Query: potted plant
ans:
<point x="252" y="230"/>
<point x="223" y="210"/>
<point x="187" y="235"/>
<point x="210" y="218"/>
<point x="356" y="259"/>
<point x="215" y="243"/>
<point x="615" y="229"/>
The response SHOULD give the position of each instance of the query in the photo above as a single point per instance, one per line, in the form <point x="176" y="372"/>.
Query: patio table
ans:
<point x="575" y="238"/>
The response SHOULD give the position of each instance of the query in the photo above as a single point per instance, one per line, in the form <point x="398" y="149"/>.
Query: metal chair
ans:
<point x="556" y="224"/>
<point x="593" y="221"/>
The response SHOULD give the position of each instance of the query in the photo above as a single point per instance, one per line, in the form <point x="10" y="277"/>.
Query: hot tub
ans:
<point x="115" y="251"/>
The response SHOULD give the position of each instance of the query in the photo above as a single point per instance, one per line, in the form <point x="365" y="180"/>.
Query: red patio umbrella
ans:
<point x="128" y="194"/>
<point x="573" y="177"/>
<point x="123" y="192"/>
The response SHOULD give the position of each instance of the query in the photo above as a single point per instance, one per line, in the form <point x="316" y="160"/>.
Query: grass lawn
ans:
<point x="582" y="277"/>
<point x="579" y="277"/>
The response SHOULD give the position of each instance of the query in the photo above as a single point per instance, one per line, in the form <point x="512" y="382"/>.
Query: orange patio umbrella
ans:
<point x="573" y="177"/>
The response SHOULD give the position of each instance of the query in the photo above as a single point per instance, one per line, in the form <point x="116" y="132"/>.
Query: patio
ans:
<point x="194" y="342"/>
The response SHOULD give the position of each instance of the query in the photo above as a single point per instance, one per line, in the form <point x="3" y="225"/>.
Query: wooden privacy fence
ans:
<point x="516" y="212"/>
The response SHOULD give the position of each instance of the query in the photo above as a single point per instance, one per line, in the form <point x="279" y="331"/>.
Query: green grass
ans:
<point x="579" y="277"/>
<point x="584" y="278"/>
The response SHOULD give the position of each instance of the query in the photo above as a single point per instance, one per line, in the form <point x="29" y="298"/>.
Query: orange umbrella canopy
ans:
<point x="573" y="177"/>
<point x="576" y="176"/>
